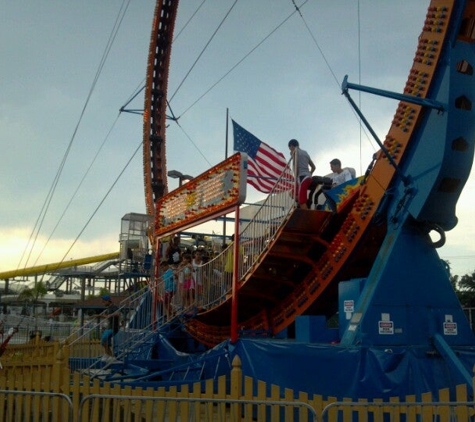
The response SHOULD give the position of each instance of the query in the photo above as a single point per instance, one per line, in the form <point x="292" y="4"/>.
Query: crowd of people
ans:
<point x="184" y="283"/>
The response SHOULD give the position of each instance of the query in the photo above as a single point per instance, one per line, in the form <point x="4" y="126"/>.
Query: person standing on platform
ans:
<point x="113" y="316"/>
<point x="229" y="264"/>
<point x="197" y="263"/>
<point x="173" y="252"/>
<point x="304" y="167"/>
<point x="168" y="287"/>
<point x="188" y="281"/>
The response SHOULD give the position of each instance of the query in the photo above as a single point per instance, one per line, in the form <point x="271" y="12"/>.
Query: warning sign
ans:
<point x="386" y="327"/>
<point x="349" y="306"/>
<point x="450" y="328"/>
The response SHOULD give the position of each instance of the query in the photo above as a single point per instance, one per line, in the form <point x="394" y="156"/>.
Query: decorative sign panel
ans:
<point x="210" y="194"/>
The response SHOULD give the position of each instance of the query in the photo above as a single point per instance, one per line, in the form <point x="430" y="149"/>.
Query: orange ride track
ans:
<point x="156" y="86"/>
<point x="313" y="251"/>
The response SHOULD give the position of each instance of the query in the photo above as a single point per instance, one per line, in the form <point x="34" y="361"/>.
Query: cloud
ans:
<point x="288" y="88"/>
<point x="15" y="241"/>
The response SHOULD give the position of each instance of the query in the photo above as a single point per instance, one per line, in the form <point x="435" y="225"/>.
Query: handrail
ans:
<point x="213" y="282"/>
<point x="213" y="279"/>
<point x="131" y="302"/>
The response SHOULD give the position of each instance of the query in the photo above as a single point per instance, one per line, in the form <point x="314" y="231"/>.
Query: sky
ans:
<point x="71" y="164"/>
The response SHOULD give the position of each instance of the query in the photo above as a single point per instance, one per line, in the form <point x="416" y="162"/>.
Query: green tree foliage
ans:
<point x="465" y="289"/>
<point x="33" y="294"/>
<point x="102" y="291"/>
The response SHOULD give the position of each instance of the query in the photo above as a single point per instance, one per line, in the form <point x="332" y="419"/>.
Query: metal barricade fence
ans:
<point x="35" y="406"/>
<point x="109" y="408"/>
<point x="395" y="411"/>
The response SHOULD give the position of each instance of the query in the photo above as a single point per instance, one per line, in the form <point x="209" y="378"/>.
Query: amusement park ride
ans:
<point x="368" y="261"/>
<point x="373" y="260"/>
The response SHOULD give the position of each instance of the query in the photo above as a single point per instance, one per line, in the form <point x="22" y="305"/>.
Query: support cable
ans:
<point x="189" y="138"/>
<point x="141" y="86"/>
<point x="203" y="50"/>
<point x="189" y="20"/>
<point x="239" y="62"/>
<point x="49" y="197"/>
<point x="77" y="189"/>
<point x="329" y="66"/>
<point x="102" y="200"/>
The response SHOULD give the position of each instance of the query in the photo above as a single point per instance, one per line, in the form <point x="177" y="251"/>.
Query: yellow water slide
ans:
<point x="49" y="268"/>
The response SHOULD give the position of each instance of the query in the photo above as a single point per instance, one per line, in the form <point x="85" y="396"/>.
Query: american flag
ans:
<point x="265" y="165"/>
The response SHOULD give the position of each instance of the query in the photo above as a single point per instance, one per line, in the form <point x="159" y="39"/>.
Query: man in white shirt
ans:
<point x="339" y="175"/>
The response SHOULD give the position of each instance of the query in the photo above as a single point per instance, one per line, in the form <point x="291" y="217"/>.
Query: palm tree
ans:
<point x="33" y="294"/>
<point x="466" y="289"/>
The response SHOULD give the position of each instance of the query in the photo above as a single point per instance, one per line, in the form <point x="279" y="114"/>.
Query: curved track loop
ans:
<point x="313" y="251"/>
<point x="154" y="119"/>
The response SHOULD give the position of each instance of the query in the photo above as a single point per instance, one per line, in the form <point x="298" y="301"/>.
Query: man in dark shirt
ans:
<point x="112" y="315"/>
<point x="173" y="252"/>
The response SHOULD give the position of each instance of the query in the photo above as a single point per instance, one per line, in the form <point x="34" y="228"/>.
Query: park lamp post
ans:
<point x="175" y="174"/>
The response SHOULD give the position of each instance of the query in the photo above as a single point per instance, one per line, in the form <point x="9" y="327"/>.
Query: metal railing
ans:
<point x="149" y="309"/>
<point x="30" y="328"/>
<point x="214" y="279"/>
<point x="392" y="411"/>
<point x="35" y="406"/>
<point x="122" y="407"/>
<point x="138" y="323"/>
<point x="92" y="407"/>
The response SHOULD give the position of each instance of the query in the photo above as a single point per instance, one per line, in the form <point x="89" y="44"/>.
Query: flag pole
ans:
<point x="225" y="157"/>
<point x="227" y="127"/>
<point x="236" y="260"/>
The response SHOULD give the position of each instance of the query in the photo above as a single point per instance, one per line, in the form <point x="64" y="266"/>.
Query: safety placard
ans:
<point x="386" y="327"/>
<point x="450" y="328"/>
<point x="349" y="306"/>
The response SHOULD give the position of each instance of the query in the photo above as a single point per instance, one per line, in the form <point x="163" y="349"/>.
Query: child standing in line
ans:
<point x="188" y="281"/>
<point x="179" y="279"/>
<point x="169" y="289"/>
<point x="197" y="264"/>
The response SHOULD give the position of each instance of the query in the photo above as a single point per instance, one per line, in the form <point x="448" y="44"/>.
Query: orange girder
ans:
<point x="154" y="118"/>
<point x="354" y="242"/>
